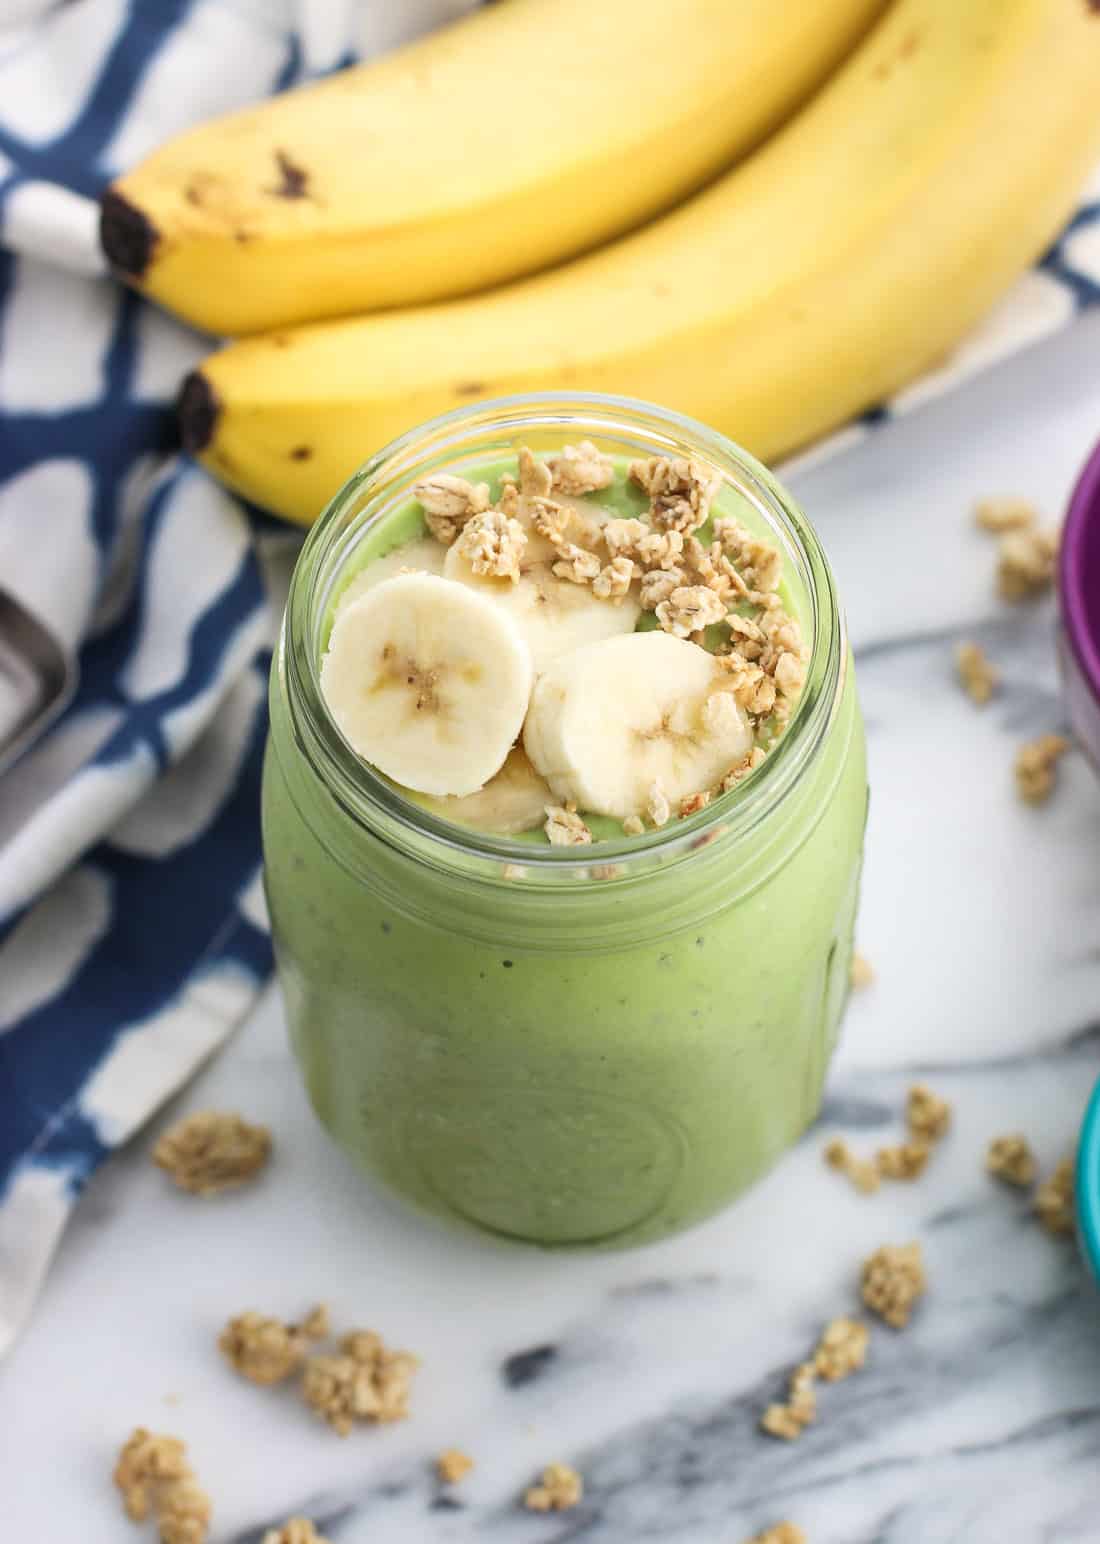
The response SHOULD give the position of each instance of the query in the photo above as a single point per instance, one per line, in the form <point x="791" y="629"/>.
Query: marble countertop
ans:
<point x="648" y="1371"/>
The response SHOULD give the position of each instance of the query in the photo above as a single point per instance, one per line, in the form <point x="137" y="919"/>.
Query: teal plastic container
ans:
<point x="1088" y="1185"/>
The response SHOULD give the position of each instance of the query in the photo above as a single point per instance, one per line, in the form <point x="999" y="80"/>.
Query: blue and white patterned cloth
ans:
<point x="132" y="930"/>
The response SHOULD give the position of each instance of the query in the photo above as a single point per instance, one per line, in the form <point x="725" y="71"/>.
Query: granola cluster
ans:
<point x="841" y="1351"/>
<point x="788" y="1420"/>
<point x="297" y="1530"/>
<point x="862" y="1172"/>
<point x="1054" y="1200"/>
<point x="976" y="675"/>
<point x="998" y="515"/>
<point x="1037" y="767"/>
<point x="1025" y="563"/>
<point x="266" y="1351"/>
<point x="780" y="1533"/>
<point x="1010" y="1158"/>
<point x="927" y="1117"/>
<point x="211" y="1151"/>
<point x="559" y="1488"/>
<point x="493" y="545"/>
<point x="453" y="1465"/>
<point x="862" y="972"/>
<point x="1026" y="553"/>
<point x="364" y="1382"/>
<point x="722" y="593"/>
<point x="448" y="502"/>
<point x="153" y="1474"/>
<point x="892" y="1279"/>
<point x="564" y="827"/>
<point x="926" y="1114"/>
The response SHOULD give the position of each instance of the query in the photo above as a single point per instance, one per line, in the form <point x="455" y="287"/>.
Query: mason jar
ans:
<point x="563" y="1045"/>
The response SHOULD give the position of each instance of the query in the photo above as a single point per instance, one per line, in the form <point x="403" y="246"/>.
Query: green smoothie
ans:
<point x="558" y="1050"/>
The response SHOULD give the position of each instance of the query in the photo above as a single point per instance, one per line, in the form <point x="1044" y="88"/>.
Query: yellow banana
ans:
<point x="507" y="141"/>
<point x="838" y="262"/>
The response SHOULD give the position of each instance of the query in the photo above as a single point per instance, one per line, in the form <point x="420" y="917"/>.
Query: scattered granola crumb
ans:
<point x="862" y="1173"/>
<point x="152" y="1472"/>
<point x="680" y="491"/>
<point x="780" y="1533"/>
<point x="657" y="806"/>
<point x="564" y="827"/>
<point x="908" y="1160"/>
<point x="976" y="675"/>
<point x="926" y="1114"/>
<point x="862" y="972"/>
<point x="780" y="1421"/>
<point x="559" y="1489"/>
<point x="614" y="580"/>
<point x="266" y="1350"/>
<point x="299" y="1530"/>
<point x="211" y="1151"/>
<point x="453" y="1465"/>
<point x="1025" y="563"/>
<point x="145" y="1462"/>
<point x="581" y="469"/>
<point x="633" y="826"/>
<point x="892" y="1280"/>
<point x="184" y="1513"/>
<point x="689" y="609"/>
<point x="788" y="1421"/>
<point x="365" y="1382"/>
<point x="693" y="803"/>
<point x="577" y="564"/>
<point x="1037" y="767"/>
<point x="1054" y="1200"/>
<point x="493" y="544"/>
<point x="448" y="502"/>
<point x="1010" y="1158"/>
<point x="1005" y="514"/>
<point x="842" y="1350"/>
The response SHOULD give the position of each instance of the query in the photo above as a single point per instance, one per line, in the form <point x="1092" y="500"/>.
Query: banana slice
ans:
<point x="609" y="720"/>
<point x="429" y="682"/>
<point x="422" y="555"/>
<point x="554" y="616"/>
<point x="514" y="800"/>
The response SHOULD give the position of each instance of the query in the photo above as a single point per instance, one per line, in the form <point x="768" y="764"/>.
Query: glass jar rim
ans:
<point x="385" y="480"/>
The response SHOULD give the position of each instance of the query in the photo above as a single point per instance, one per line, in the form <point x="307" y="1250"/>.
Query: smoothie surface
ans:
<point x="402" y="541"/>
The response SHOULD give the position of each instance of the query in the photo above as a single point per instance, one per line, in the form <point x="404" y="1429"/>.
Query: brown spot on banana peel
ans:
<point x="127" y="235"/>
<point x="470" y="389"/>
<point x="198" y="410"/>
<point x="294" y="179"/>
<point x="301" y="453"/>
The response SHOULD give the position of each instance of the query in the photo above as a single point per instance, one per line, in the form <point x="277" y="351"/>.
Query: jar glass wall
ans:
<point x="563" y="1045"/>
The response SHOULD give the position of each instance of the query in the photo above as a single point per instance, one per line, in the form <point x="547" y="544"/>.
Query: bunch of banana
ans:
<point x="841" y="258"/>
<point x="510" y="140"/>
